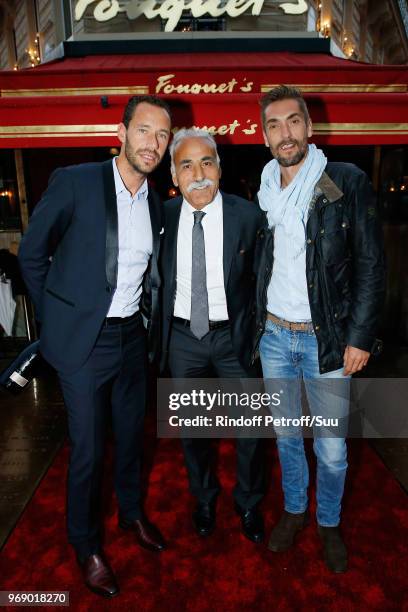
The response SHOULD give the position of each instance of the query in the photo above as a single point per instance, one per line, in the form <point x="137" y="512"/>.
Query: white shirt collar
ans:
<point x="120" y="185"/>
<point x="211" y="208"/>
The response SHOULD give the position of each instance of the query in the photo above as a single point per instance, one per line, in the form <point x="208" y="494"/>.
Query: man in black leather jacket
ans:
<point x="319" y="294"/>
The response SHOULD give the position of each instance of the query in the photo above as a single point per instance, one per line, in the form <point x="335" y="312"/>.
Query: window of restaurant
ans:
<point x="13" y="303"/>
<point x="190" y="24"/>
<point x="9" y="203"/>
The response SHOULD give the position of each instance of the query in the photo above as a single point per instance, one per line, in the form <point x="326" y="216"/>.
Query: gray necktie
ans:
<point x="199" y="320"/>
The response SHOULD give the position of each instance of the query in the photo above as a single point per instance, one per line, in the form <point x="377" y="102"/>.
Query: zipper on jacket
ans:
<point x="264" y="309"/>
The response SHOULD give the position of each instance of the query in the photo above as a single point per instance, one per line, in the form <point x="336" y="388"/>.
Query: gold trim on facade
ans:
<point x="63" y="130"/>
<point x="342" y="88"/>
<point x="144" y="89"/>
<point x="74" y="91"/>
<point x="360" y="128"/>
<point x="103" y="130"/>
<point x="61" y="135"/>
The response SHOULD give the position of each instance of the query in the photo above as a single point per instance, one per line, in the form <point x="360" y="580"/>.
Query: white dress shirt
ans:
<point x="135" y="241"/>
<point x="214" y="242"/>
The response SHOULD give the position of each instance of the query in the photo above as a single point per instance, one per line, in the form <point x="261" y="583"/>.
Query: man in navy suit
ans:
<point x="208" y="310"/>
<point x="90" y="262"/>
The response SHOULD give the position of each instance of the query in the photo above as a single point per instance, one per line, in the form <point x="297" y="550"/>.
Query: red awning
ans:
<point x="59" y="104"/>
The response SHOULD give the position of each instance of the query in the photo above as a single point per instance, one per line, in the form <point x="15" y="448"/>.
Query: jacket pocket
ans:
<point x="334" y="243"/>
<point x="59" y="297"/>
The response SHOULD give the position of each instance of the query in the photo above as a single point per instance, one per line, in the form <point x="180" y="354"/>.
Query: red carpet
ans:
<point x="225" y="572"/>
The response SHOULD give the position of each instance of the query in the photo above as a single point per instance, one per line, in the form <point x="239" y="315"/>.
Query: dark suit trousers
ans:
<point x="112" y="381"/>
<point x="212" y="356"/>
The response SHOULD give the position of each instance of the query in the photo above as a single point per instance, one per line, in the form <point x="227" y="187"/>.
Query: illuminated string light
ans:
<point x="348" y="47"/>
<point x="34" y="52"/>
<point x="325" y="29"/>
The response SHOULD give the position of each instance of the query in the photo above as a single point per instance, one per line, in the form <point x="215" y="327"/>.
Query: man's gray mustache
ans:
<point x="200" y="184"/>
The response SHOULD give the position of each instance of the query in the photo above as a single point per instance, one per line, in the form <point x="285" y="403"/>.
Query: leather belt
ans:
<point x="212" y="324"/>
<point x="122" y="320"/>
<point x="301" y="326"/>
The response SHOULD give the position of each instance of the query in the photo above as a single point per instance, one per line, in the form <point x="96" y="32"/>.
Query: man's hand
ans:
<point x="354" y="360"/>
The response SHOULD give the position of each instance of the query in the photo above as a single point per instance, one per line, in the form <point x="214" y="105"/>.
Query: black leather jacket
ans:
<point x="344" y="265"/>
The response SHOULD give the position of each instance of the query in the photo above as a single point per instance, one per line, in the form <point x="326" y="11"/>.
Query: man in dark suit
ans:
<point x="90" y="259"/>
<point x="208" y="292"/>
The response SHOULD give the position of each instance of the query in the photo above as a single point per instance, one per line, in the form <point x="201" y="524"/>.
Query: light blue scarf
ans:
<point x="289" y="206"/>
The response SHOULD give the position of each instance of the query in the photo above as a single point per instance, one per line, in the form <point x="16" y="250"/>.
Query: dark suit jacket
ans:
<point x="76" y="222"/>
<point x="241" y="222"/>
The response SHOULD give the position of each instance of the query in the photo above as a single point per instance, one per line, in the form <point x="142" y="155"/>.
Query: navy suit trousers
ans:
<point x="111" y="385"/>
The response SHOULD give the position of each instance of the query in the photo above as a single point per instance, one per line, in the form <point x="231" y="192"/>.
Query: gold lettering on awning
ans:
<point x="165" y="85"/>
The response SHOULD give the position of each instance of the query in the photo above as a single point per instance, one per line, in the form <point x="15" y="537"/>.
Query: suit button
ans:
<point x="344" y="224"/>
<point x="169" y="317"/>
<point x="108" y="289"/>
<point x="311" y="285"/>
<point x="309" y="241"/>
<point x="335" y="315"/>
<point x="322" y="231"/>
<point x="317" y="327"/>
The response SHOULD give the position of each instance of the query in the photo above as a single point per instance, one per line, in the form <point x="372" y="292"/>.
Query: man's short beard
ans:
<point x="286" y="162"/>
<point x="131" y="158"/>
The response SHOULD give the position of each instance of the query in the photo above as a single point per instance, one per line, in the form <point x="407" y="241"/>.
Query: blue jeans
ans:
<point x="288" y="357"/>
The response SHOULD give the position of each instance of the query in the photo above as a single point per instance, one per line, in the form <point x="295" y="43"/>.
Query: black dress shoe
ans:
<point x="335" y="552"/>
<point x="251" y="523"/>
<point x="204" y="519"/>
<point x="98" y="576"/>
<point x="147" y="535"/>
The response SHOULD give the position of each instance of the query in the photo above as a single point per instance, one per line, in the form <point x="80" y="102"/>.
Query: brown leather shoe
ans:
<point x="283" y="534"/>
<point x="99" y="577"/>
<point x="147" y="534"/>
<point x="335" y="552"/>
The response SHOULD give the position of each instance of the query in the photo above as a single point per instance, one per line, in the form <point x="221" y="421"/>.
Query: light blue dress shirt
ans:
<point x="135" y="241"/>
<point x="287" y="292"/>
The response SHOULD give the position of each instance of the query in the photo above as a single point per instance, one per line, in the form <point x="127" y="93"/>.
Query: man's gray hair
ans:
<point x="190" y="133"/>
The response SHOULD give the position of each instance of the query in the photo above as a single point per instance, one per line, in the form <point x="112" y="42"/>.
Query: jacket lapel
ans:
<point x="231" y="226"/>
<point x="155" y="219"/>
<point x="112" y="247"/>
<point x="172" y="225"/>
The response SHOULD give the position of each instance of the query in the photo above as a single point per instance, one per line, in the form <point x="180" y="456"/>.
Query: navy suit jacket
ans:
<point x="76" y="224"/>
<point x="242" y="222"/>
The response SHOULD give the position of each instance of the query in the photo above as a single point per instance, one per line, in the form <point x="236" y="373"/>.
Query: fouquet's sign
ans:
<point x="166" y="84"/>
<point x="171" y="10"/>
